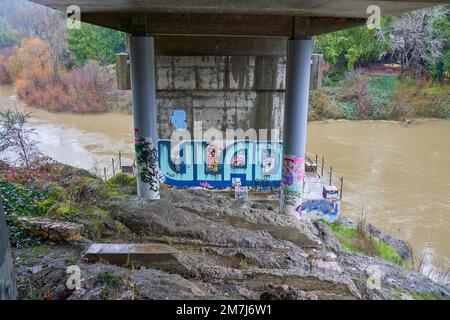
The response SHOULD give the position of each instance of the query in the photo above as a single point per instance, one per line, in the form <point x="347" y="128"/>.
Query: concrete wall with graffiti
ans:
<point x="214" y="164"/>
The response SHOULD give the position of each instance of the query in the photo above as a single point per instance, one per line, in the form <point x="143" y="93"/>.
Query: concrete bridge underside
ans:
<point x="228" y="28"/>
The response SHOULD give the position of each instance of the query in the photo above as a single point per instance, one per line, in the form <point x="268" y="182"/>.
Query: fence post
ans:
<point x="342" y="186"/>
<point x="114" y="170"/>
<point x="316" y="159"/>
<point x="120" y="161"/>
<point x="323" y="160"/>
<point x="104" y="172"/>
<point x="331" y="174"/>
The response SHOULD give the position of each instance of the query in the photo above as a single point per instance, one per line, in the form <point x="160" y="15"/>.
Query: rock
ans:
<point x="51" y="230"/>
<point x="284" y="292"/>
<point x="244" y="213"/>
<point x="325" y="234"/>
<point x="153" y="284"/>
<point x="162" y="218"/>
<point x="326" y="284"/>
<point x="393" y="278"/>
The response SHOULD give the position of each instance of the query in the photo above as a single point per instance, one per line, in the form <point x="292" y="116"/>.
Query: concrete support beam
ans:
<point x="215" y="24"/>
<point x="295" y="120"/>
<point x="142" y="62"/>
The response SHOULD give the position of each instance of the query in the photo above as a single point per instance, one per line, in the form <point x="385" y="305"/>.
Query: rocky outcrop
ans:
<point x="394" y="281"/>
<point x="246" y="214"/>
<point x="228" y="248"/>
<point x="50" y="229"/>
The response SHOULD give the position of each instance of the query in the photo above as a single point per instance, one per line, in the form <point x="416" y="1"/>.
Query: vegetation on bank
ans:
<point x="359" y="240"/>
<point x="52" y="190"/>
<point x="359" y="97"/>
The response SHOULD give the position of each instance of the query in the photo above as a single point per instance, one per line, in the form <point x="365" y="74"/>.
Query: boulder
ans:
<point x="50" y="230"/>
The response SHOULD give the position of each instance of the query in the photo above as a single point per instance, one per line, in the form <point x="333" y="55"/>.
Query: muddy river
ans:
<point x="399" y="176"/>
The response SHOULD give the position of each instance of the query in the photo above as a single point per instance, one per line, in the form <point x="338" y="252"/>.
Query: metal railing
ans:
<point x="326" y="172"/>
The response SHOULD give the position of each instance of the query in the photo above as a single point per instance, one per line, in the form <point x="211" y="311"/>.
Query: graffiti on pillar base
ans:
<point x="293" y="174"/>
<point x="147" y="164"/>
<point x="214" y="164"/>
<point x="322" y="209"/>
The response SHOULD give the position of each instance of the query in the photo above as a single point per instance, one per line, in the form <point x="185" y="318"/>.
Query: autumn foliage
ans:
<point x="85" y="89"/>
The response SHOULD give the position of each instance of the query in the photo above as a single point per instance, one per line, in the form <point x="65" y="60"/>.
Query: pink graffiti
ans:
<point x="294" y="165"/>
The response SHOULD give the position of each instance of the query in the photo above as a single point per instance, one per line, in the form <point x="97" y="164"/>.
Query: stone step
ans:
<point x="150" y="255"/>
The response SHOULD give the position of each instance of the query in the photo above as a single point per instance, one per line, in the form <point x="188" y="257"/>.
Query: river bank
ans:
<point x="398" y="174"/>
<point x="215" y="246"/>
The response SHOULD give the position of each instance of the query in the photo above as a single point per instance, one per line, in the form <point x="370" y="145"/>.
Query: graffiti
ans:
<point x="293" y="170"/>
<point x="212" y="159"/>
<point x="326" y="209"/>
<point x="192" y="163"/>
<point x="293" y="174"/>
<point x="147" y="165"/>
<point x="263" y="185"/>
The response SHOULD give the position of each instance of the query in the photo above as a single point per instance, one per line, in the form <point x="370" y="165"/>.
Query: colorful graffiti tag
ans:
<point x="322" y="209"/>
<point x="292" y="178"/>
<point x="215" y="164"/>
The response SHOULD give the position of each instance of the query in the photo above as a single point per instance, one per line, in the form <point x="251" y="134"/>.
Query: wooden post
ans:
<point x="120" y="161"/>
<point x="104" y="172"/>
<point x="342" y="186"/>
<point x="331" y="174"/>
<point x="114" y="170"/>
<point x="316" y="77"/>
<point x="123" y="72"/>
<point x="316" y="159"/>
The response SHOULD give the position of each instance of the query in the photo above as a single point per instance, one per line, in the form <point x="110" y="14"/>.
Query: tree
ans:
<point x="348" y="48"/>
<point x="95" y="43"/>
<point x="413" y="38"/>
<point x="36" y="21"/>
<point x="14" y="136"/>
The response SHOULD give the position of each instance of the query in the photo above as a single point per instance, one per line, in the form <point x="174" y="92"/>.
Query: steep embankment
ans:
<point x="220" y="247"/>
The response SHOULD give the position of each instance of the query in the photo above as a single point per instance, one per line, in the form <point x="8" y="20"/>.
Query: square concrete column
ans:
<point x="298" y="67"/>
<point x="142" y="63"/>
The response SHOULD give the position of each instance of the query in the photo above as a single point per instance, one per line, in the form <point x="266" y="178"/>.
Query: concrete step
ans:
<point x="150" y="255"/>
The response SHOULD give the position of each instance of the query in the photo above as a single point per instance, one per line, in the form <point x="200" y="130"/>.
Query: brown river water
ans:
<point x="399" y="176"/>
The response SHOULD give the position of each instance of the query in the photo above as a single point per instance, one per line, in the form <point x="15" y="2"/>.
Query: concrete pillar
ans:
<point x="8" y="287"/>
<point x="142" y="64"/>
<point x="295" y="119"/>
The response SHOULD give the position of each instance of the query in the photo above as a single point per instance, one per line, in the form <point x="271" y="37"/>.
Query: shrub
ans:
<point x="354" y="88"/>
<point x="88" y="88"/>
<point x="5" y="77"/>
<point x="322" y="106"/>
